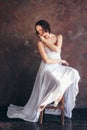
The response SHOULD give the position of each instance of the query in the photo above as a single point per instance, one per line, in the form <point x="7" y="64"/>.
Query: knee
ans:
<point x="76" y="73"/>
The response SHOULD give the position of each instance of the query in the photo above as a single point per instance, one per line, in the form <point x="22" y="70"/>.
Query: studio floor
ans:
<point x="51" y="122"/>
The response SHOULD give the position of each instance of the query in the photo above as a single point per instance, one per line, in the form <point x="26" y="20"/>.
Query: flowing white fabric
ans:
<point x="52" y="81"/>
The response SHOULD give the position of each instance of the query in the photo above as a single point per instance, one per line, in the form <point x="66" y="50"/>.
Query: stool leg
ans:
<point x="62" y="111"/>
<point x="41" y="117"/>
<point x="62" y="116"/>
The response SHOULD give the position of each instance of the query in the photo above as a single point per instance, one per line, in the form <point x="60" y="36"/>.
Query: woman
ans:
<point x="54" y="78"/>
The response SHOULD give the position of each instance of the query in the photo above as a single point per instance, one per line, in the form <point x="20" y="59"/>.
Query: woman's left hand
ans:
<point x="64" y="62"/>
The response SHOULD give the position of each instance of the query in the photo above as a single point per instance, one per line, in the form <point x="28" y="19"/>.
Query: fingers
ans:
<point x="65" y="62"/>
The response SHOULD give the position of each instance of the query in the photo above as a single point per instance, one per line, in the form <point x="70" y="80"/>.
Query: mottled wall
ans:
<point x="19" y="58"/>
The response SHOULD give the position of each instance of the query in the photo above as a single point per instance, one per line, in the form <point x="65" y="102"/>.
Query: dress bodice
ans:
<point x="53" y="54"/>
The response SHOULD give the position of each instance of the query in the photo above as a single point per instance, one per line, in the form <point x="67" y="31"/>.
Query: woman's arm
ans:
<point x="44" y="56"/>
<point x="50" y="42"/>
<point x="59" y="41"/>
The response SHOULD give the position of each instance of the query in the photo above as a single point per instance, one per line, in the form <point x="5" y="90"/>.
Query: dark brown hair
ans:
<point x="44" y="24"/>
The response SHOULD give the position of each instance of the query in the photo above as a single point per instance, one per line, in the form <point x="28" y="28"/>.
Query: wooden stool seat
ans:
<point x="60" y="107"/>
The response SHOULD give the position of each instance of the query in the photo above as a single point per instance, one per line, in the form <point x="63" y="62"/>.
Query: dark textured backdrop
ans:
<point x="19" y="58"/>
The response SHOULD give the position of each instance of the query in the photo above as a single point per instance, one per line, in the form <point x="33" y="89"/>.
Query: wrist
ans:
<point x="59" y="61"/>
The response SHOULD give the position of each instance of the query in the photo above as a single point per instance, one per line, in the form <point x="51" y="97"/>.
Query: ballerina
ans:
<point x="54" y="78"/>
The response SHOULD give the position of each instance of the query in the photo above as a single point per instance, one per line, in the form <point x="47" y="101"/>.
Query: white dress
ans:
<point x="52" y="81"/>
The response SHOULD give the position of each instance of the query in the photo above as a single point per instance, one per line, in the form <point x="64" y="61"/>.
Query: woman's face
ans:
<point x="40" y="30"/>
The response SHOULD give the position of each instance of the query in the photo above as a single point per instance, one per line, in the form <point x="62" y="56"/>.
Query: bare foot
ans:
<point x="56" y="103"/>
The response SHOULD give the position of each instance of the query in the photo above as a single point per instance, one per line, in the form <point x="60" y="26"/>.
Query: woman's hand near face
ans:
<point x="50" y="41"/>
<point x="46" y="35"/>
<point x="48" y="38"/>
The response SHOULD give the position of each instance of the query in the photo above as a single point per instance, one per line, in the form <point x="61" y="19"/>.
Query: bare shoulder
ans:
<point x="59" y="40"/>
<point x="60" y="36"/>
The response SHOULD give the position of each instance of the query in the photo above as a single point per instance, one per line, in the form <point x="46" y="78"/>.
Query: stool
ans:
<point x="60" y="107"/>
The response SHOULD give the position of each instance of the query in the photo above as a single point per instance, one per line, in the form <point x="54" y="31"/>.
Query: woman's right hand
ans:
<point x="64" y="62"/>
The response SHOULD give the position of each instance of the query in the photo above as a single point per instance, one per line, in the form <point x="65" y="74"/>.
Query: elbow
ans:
<point x="56" y="50"/>
<point x="47" y="61"/>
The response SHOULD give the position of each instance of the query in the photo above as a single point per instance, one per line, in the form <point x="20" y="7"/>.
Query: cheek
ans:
<point x="41" y="33"/>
